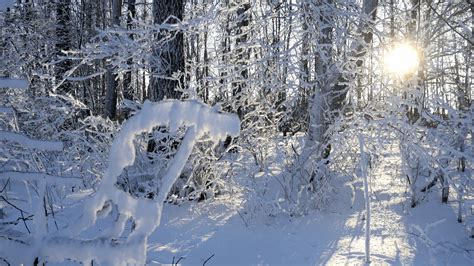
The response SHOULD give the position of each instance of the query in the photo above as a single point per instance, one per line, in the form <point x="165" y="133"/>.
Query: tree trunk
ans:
<point x="205" y="89"/>
<point x="111" y="77"/>
<point x="317" y="128"/>
<point x="334" y="95"/>
<point x="110" y="109"/>
<point x="127" y="80"/>
<point x="242" y="58"/>
<point x="300" y="113"/>
<point x="168" y="68"/>
<point x="63" y="43"/>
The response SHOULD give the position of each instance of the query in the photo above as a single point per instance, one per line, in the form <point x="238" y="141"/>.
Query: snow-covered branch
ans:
<point x="49" y="179"/>
<point x="13" y="83"/>
<point x="31" y="143"/>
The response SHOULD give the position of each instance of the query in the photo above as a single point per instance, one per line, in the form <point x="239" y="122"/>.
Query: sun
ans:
<point x="402" y="60"/>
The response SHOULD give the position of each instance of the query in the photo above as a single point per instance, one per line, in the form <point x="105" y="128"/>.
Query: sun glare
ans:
<point x="402" y="60"/>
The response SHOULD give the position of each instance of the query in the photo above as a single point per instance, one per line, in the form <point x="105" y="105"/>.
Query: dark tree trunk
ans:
<point x="110" y="109"/>
<point x="205" y="89"/>
<point x="63" y="42"/>
<point x="168" y="69"/>
<point x="336" y="94"/>
<point x="242" y="57"/>
<point x="127" y="79"/>
<point x="112" y="80"/>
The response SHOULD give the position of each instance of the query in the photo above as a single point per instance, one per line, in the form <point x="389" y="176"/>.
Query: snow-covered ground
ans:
<point x="223" y="233"/>
<point x="12" y="82"/>
<point x="229" y="230"/>
<point x="4" y="4"/>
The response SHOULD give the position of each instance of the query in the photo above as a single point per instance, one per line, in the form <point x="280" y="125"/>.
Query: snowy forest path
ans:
<point x="401" y="235"/>
<point x="229" y="232"/>
<point x="389" y="233"/>
<point x="319" y="238"/>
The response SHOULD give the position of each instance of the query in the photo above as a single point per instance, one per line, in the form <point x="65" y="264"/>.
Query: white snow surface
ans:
<point x="229" y="231"/>
<point x="233" y="234"/>
<point x="6" y="110"/>
<point x="4" y="4"/>
<point x="12" y="82"/>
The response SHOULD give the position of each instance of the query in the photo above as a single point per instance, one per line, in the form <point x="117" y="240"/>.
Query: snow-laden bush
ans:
<point x="202" y="177"/>
<point x="57" y="117"/>
<point x="206" y="174"/>
<point x="87" y="147"/>
<point x="38" y="173"/>
<point x="113" y="245"/>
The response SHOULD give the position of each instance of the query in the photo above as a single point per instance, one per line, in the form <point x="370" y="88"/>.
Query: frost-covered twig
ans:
<point x="208" y="259"/>
<point x="449" y="246"/>
<point x="21" y="212"/>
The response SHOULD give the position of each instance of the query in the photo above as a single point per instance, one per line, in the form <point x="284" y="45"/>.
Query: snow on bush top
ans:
<point x="170" y="113"/>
